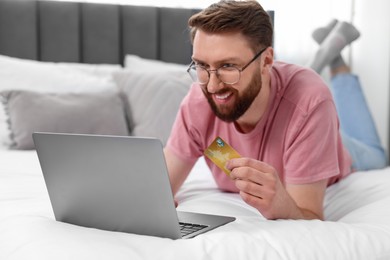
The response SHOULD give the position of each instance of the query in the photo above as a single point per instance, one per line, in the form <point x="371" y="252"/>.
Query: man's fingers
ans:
<point x="248" y="162"/>
<point x="250" y="188"/>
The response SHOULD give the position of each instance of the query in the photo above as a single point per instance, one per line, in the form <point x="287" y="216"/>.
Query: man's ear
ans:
<point x="268" y="60"/>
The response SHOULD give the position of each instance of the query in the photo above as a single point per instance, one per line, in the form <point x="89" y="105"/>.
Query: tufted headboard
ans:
<point x="93" y="33"/>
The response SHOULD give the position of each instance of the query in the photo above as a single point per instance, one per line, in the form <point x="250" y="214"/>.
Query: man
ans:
<point x="279" y="117"/>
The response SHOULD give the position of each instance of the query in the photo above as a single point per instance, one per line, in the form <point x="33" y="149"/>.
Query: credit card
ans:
<point x="219" y="152"/>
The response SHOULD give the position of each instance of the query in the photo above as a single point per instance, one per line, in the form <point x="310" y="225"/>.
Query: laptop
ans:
<point x="115" y="183"/>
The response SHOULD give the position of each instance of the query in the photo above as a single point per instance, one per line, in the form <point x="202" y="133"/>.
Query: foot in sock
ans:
<point x="341" y="35"/>
<point x="319" y="36"/>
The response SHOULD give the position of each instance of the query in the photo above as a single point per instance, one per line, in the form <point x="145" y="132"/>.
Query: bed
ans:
<point x="61" y="66"/>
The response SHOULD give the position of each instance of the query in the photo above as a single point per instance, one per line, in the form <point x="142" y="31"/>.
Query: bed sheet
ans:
<point x="357" y="223"/>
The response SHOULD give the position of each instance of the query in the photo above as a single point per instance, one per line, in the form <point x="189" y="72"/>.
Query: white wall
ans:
<point x="371" y="58"/>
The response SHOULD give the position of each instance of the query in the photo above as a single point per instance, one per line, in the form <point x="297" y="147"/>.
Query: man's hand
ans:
<point x="261" y="187"/>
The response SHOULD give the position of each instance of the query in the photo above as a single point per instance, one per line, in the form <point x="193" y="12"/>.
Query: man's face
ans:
<point x="229" y="104"/>
<point x="212" y="51"/>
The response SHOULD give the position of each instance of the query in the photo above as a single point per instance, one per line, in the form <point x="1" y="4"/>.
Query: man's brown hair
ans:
<point x="247" y="17"/>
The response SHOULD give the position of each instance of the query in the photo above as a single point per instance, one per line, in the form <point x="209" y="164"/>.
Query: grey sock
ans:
<point x="342" y="34"/>
<point x="320" y="34"/>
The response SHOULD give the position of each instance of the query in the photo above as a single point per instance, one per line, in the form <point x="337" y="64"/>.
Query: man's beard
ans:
<point x="242" y="102"/>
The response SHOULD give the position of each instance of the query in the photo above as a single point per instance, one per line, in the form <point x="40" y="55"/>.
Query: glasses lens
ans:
<point x="199" y="74"/>
<point x="229" y="75"/>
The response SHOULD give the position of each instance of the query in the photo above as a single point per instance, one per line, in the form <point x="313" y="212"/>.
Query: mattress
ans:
<point x="356" y="226"/>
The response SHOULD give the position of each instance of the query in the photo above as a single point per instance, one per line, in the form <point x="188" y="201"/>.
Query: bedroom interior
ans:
<point x="66" y="62"/>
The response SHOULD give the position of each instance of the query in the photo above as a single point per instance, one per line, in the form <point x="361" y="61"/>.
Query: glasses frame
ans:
<point x="193" y="66"/>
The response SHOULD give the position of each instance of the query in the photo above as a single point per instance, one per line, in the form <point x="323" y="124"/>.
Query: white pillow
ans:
<point x="98" y="70"/>
<point x="22" y="74"/>
<point x="136" y="63"/>
<point x="153" y="100"/>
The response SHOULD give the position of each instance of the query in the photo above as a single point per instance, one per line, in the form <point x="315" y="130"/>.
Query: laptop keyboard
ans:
<point x="189" y="228"/>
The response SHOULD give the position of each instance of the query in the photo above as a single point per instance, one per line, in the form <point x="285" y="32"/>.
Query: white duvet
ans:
<point x="357" y="224"/>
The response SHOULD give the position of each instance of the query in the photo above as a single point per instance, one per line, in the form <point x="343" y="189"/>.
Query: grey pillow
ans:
<point x="83" y="113"/>
<point x="153" y="100"/>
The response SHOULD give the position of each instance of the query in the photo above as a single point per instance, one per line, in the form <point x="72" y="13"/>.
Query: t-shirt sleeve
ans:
<point x="313" y="151"/>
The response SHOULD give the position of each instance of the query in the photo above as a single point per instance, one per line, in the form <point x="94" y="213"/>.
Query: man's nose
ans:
<point x="214" y="84"/>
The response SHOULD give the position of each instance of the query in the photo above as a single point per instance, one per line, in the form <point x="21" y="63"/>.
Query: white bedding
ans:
<point x="357" y="227"/>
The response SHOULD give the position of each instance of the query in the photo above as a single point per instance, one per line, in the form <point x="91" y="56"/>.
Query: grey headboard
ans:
<point x="93" y="33"/>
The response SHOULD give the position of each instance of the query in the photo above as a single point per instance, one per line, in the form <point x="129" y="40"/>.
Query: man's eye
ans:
<point x="227" y="65"/>
<point x="203" y="65"/>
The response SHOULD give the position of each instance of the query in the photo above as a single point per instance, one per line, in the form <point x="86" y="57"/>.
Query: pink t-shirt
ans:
<point x="298" y="134"/>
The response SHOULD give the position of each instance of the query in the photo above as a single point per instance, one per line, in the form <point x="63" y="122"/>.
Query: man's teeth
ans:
<point x="224" y="96"/>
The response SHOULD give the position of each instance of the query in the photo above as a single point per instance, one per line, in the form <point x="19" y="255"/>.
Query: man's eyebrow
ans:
<point x="196" y="60"/>
<point x="225" y="60"/>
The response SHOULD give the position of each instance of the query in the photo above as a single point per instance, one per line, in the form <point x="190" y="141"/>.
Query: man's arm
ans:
<point x="309" y="198"/>
<point x="261" y="187"/>
<point x="178" y="170"/>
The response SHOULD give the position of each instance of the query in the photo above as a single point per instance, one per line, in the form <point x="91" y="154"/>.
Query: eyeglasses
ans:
<point x="227" y="74"/>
